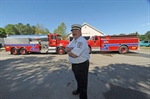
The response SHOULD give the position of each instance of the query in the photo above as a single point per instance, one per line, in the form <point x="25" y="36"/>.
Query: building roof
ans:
<point x="90" y="27"/>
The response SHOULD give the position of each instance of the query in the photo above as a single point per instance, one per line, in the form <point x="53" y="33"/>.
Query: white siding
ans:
<point x="88" y="31"/>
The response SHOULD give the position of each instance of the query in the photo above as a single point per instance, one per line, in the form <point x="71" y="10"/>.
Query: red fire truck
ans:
<point x="53" y="44"/>
<point x="119" y="43"/>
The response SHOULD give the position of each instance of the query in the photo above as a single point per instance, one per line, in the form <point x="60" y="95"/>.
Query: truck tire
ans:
<point x="14" y="51"/>
<point x="23" y="51"/>
<point x="123" y="49"/>
<point x="61" y="50"/>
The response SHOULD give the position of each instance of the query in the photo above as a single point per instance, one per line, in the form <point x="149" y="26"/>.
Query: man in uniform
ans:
<point x="78" y="54"/>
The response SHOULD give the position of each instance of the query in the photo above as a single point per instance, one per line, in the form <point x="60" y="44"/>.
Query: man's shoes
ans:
<point x="75" y="92"/>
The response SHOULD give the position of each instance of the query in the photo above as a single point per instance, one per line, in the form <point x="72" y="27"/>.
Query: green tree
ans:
<point x="147" y="35"/>
<point x="20" y="28"/>
<point x="46" y="31"/>
<point x="61" y="30"/>
<point x="55" y="31"/>
<point x="27" y="29"/>
<point x="37" y="29"/>
<point x="122" y="34"/>
<point x="132" y="33"/>
<point x="40" y="29"/>
<point x="32" y="30"/>
<point x="2" y="33"/>
<point x="141" y="37"/>
<point x="11" y="30"/>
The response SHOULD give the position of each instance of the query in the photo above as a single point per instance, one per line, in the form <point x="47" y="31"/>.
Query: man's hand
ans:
<point x="72" y="55"/>
<point x="68" y="49"/>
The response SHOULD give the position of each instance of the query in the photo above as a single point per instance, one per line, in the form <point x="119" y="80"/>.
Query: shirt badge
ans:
<point x="80" y="44"/>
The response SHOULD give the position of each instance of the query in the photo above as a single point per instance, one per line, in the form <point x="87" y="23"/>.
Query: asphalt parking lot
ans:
<point x="49" y="76"/>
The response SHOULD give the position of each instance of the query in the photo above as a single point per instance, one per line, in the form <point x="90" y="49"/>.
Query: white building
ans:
<point x="87" y="32"/>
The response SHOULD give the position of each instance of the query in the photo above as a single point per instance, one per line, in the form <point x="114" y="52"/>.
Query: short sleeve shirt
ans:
<point x="80" y="49"/>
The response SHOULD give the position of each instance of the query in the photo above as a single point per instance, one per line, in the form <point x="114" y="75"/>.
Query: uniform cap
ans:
<point x="76" y="27"/>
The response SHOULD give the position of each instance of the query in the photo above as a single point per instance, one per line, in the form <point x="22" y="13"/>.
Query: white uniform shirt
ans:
<point x="81" y="49"/>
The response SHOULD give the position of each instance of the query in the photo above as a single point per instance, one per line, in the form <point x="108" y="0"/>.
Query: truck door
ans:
<point x="52" y="40"/>
<point x="96" y="44"/>
<point x="58" y="38"/>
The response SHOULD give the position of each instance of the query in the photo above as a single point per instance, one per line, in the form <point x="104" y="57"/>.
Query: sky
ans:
<point x="108" y="16"/>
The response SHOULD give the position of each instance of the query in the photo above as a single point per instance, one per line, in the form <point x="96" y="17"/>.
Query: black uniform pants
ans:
<point x="81" y="75"/>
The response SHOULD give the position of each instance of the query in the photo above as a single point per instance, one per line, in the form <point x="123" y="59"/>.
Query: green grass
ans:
<point x="1" y="49"/>
<point x="145" y="48"/>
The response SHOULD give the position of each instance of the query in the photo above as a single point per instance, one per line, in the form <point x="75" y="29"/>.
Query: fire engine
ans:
<point x="53" y="44"/>
<point x="122" y="44"/>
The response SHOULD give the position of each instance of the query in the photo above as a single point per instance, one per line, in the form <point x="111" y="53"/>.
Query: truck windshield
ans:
<point x="59" y="37"/>
<point x="91" y="38"/>
<point x="54" y="37"/>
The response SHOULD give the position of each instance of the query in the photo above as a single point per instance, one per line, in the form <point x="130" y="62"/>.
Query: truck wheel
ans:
<point x="23" y="51"/>
<point x="123" y="49"/>
<point x="14" y="51"/>
<point x="61" y="51"/>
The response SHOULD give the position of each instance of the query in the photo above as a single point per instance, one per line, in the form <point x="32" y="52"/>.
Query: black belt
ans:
<point x="80" y="63"/>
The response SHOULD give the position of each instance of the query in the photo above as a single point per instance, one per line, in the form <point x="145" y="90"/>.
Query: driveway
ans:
<point x="49" y="76"/>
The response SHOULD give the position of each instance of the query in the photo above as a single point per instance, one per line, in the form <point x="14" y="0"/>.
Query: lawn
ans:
<point x="1" y="49"/>
<point x="145" y="48"/>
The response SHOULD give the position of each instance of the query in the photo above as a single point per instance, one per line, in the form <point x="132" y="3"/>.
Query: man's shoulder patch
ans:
<point x="80" y="44"/>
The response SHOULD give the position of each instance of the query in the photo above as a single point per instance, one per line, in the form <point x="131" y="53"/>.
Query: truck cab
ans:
<point x="55" y="44"/>
<point x="94" y="43"/>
